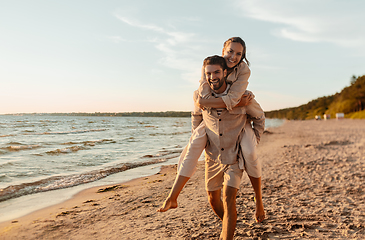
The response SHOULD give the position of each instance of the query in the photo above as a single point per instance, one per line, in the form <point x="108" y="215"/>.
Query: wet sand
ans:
<point x="313" y="177"/>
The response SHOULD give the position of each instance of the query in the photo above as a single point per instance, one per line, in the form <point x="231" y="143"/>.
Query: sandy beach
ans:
<point x="313" y="177"/>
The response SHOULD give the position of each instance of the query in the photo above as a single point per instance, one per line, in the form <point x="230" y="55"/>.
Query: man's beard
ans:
<point x="216" y="87"/>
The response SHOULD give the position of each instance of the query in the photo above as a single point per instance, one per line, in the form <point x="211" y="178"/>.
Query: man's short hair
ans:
<point x="215" y="60"/>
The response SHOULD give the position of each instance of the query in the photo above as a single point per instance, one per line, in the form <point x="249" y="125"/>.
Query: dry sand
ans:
<point x="313" y="173"/>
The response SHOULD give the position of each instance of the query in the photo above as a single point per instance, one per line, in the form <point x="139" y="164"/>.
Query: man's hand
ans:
<point x="245" y="99"/>
<point x="197" y="101"/>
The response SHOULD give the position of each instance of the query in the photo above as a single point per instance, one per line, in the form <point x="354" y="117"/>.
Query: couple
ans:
<point x="221" y="125"/>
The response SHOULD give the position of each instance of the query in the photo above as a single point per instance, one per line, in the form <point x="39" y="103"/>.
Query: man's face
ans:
<point x="215" y="77"/>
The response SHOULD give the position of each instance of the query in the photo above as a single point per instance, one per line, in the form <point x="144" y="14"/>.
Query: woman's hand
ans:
<point x="245" y="99"/>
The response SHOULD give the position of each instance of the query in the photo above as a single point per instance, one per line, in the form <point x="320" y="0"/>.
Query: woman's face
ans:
<point x="233" y="53"/>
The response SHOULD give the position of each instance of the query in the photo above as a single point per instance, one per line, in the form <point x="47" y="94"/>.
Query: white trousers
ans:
<point x="248" y="159"/>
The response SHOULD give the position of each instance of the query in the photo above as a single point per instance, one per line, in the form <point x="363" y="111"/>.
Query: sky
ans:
<point x="142" y="55"/>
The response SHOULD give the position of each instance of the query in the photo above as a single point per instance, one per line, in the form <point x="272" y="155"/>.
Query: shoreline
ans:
<point x="33" y="202"/>
<point x="81" y="196"/>
<point x="313" y="172"/>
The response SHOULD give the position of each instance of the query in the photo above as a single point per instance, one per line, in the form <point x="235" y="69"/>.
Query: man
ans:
<point x="223" y="129"/>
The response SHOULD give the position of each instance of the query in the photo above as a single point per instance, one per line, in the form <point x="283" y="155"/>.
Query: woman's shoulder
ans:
<point x="242" y="68"/>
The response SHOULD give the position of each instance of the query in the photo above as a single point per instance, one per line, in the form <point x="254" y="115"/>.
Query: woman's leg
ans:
<point x="253" y="168"/>
<point x="186" y="166"/>
<point x="171" y="200"/>
<point x="260" y="212"/>
<point x="191" y="153"/>
<point x="252" y="163"/>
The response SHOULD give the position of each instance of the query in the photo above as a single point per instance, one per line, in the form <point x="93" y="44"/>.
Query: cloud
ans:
<point x="177" y="47"/>
<point x="139" y="25"/>
<point x="333" y="21"/>
<point x="116" y="39"/>
<point x="175" y="37"/>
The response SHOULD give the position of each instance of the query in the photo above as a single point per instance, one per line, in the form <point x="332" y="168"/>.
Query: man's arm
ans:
<point x="211" y="102"/>
<point x="219" y="103"/>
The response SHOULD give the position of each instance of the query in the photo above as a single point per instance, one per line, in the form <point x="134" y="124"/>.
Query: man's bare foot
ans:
<point x="260" y="212"/>
<point x="168" y="204"/>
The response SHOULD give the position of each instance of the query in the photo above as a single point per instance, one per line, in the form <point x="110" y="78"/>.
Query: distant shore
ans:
<point x="313" y="177"/>
<point x="110" y="114"/>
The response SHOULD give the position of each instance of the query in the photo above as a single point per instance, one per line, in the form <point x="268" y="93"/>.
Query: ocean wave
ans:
<point x="59" y="182"/>
<point x="3" y="177"/>
<point x="67" y="132"/>
<point x="16" y="148"/>
<point x="81" y="146"/>
<point x="28" y="131"/>
<point x="131" y="139"/>
<point x="7" y="135"/>
<point x="47" y="121"/>
<point x="168" y="134"/>
<point x="179" y="124"/>
<point x="91" y="142"/>
<point x="103" y="141"/>
<point x="146" y="125"/>
<point x="25" y="126"/>
<point x="165" y="154"/>
<point x="66" y="150"/>
<point x="6" y="164"/>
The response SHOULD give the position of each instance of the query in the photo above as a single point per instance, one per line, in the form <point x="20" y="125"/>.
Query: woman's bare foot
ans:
<point x="260" y="212"/>
<point x="168" y="204"/>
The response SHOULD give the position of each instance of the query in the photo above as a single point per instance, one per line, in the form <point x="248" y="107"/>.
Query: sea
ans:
<point x="45" y="159"/>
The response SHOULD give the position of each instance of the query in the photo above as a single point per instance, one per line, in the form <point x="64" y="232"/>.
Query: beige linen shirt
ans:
<point x="224" y="135"/>
<point x="253" y="110"/>
<point x="223" y="131"/>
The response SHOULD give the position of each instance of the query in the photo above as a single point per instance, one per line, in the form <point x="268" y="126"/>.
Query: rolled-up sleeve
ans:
<point x="239" y="78"/>
<point x="196" y="115"/>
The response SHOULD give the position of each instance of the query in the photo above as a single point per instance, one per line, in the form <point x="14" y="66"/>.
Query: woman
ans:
<point x="234" y="52"/>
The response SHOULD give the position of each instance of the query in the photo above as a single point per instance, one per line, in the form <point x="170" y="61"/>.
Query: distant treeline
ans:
<point x="120" y="114"/>
<point x="350" y="101"/>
